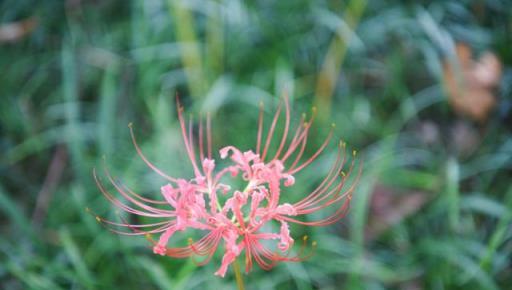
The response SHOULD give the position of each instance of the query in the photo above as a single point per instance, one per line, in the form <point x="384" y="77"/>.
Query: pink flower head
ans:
<point x="245" y="222"/>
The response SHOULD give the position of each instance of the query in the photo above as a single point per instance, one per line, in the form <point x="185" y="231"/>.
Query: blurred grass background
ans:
<point x="432" y="211"/>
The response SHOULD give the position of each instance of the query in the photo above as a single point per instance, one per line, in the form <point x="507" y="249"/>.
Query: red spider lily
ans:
<point x="240" y="221"/>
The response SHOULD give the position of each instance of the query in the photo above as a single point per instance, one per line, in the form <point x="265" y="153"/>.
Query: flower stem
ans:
<point x="238" y="275"/>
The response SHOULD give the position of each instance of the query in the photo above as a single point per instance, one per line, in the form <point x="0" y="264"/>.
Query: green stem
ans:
<point x="238" y="275"/>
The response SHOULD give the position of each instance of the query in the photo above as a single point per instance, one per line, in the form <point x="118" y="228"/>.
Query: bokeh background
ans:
<point x="422" y="89"/>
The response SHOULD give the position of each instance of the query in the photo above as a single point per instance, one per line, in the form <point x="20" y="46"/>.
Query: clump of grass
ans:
<point x="87" y="69"/>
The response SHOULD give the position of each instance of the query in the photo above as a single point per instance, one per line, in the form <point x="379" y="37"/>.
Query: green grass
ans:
<point x="372" y="67"/>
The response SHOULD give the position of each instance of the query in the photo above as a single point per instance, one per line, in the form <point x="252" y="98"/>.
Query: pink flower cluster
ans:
<point x="243" y="222"/>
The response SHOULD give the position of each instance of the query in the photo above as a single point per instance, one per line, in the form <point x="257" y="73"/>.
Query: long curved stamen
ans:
<point x="187" y="142"/>
<point x="298" y="133"/>
<point x="326" y="183"/>
<point x="209" y="134"/>
<point x="338" y="214"/>
<point x="201" y="145"/>
<point x="315" y="155"/>
<point x="142" y="198"/>
<point x="133" y="227"/>
<point x="286" y="127"/>
<point x="165" y="213"/>
<point x="271" y="132"/>
<point x="192" y="151"/>
<point x="335" y="193"/>
<point x="301" y="151"/>
<point x="303" y="135"/>
<point x="143" y="157"/>
<point x="118" y="203"/>
<point x="260" y="129"/>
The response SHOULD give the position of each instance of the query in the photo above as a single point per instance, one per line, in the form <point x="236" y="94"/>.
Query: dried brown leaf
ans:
<point x="14" y="31"/>
<point x="470" y="84"/>
<point x="389" y="207"/>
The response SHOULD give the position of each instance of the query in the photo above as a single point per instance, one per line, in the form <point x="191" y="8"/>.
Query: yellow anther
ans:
<point x="304" y="116"/>
<point x="354" y="152"/>
<point x="130" y="125"/>
<point x="148" y="236"/>
<point x="98" y="219"/>
<point x="261" y="104"/>
<point x="314" y="244"/>
<point x="343" y="174"/>
<point x="305" y="238"/>
<point x="87" y="209"/>
<point x="333" y="125"/>
<point x="190" y="241"/>
<point x="313" y="109"/>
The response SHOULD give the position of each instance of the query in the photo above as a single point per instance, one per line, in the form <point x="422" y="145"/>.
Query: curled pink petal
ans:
<point x="286" y="240"/>
<point x="289" y="180"/>
<point x="286" y="209"/>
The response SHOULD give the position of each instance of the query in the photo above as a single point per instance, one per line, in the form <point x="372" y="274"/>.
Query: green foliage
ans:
<point x="90" y="67"/>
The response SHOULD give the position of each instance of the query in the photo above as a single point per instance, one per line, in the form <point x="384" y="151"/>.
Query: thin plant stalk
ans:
<point x="238" y="275"/>
<point x="334" y="57"/>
